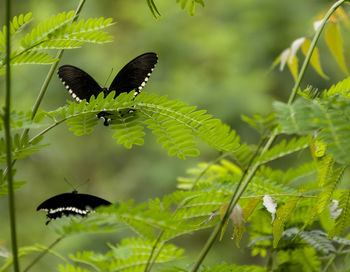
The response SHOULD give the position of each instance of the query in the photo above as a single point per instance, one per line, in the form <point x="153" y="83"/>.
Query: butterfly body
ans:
<point x="71" y="204"/>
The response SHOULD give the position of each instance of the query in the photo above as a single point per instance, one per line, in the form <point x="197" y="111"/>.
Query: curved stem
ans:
<point x="311" y="49"/>
<point x="250" y="174"/>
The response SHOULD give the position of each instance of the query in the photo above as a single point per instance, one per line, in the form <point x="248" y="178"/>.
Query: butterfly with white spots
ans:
<point x="133" y="76"/>
<point x="71" y="204"/>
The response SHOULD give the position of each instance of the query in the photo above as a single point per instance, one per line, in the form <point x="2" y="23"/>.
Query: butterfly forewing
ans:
<point x="78" y="83"/>
<point x="134" y="75"/>
<point x="70" y="204"/>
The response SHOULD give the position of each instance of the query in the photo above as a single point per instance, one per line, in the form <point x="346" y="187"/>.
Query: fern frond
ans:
<point x="260" y="123"/>
<point x="341" y="88"/>
<point x="284" y="148"/>
<point x="46" y="29"/>
<point x="303" y="171"/>
<point x="330" y="186"/>
<point x="16" y="25"/>
<point x="129" y="131"/>
<point x="318" y="240"/>
<point x="33" y="57"/>
<point x="20" y="149"/>
<point x="71" y="268"/>
<point x="335" y="131"/>
<point x="265" y="186"/>
<point x="4" y="187"/>
<point x="59" y="31"/>
<point x="343" y="219"/>
<point x="303" y="258"/>
<point x="130" y="255"/>
<point x="294" y="118"/>
<point x="233" y="268"/>
<point x="191" y="4"/>
<point x="282" y="215"/>
<point x="82" y="124"/>
<point x="174" y="122"/>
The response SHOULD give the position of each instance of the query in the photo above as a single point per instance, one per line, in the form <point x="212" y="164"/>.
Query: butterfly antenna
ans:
<point x="88" y="180"/>
<point x="108" y="77"/>
<point x="70" y="184"/>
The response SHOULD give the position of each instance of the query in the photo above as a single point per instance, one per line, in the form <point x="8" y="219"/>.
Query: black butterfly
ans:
<point x="70" y="204"/>
<point x="133" y="76"/>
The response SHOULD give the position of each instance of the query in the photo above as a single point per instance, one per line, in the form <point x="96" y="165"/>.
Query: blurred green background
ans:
<point x="218" y="60"/>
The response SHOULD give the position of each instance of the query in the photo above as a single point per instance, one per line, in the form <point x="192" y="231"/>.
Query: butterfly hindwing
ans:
<point x="78" y="83"/>
<point x="134" y="75"/>
<point x="70" y="204"/>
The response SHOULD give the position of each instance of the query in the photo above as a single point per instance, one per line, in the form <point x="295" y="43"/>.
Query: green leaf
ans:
<point x="4" y="187"/>
<point x="343" y="220"/>
<point x="153" y="8"/>
<point x="233" y="268"/>
<point x="335" y="44"/>
<point x="315" y="58"/>
<point x="82" y="124"/>
<point x="284" y="148"/>
<point x="282" y="215"/>
<point x="294" y="118"/>
<point x="129" y="255"/>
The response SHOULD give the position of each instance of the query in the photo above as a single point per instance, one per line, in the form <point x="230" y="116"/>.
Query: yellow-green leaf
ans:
<point x="315" y="58"/>
<point x="247" y="211"/>
<point x="335" y="44"/>
<point x="282" y="215"/>
<point x="293" y="66"/>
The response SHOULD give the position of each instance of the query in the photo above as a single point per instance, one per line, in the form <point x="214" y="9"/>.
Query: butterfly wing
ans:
<point x="70" y="204"/>
<point x="78" y="83"/>
<point x="134" y="75"/>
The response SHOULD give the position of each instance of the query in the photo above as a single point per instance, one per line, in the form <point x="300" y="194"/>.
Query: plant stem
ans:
<point x="311" y="49"/>
<point x="52" y="69"/>
<point x="42" y="254"/>
<point x="11" y="195"/>
<point x="250" y="174"/>
<point x="46" y="82"/>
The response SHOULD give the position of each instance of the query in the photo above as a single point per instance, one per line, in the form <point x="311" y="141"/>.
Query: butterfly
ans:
<point x="71" y="204"/>
<point x="133" y="76"/>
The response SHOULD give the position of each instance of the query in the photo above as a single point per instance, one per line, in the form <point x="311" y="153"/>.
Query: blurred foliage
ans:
<point x="218" y="60"/>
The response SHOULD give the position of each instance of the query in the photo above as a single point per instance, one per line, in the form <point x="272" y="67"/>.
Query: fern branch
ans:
<point x="44" y="87"/>
<point x="42" y="254"/>
<point x="246" y="178"/>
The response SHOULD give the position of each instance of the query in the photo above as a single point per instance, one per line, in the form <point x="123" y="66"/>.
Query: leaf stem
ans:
<point x="311" y="49"/>
<point x="42" y="254"/>
<point x="52" y="69"/>
<point x="11" y="195"/>
<point x="251" y="172"/>
<point x="46" y="82"/>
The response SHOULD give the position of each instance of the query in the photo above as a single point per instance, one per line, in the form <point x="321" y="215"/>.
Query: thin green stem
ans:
<point x="151" y="260"/>
<point x="331" y="260"/>
<point x="211" y="240"/>
<point x="311" y="49"/>
<point x="47" y="81"/>
<point x="250" y="174"/>
<point x="11" y="195"/>
<point x="52" y="69"/>
<point x="42" y="254"/>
